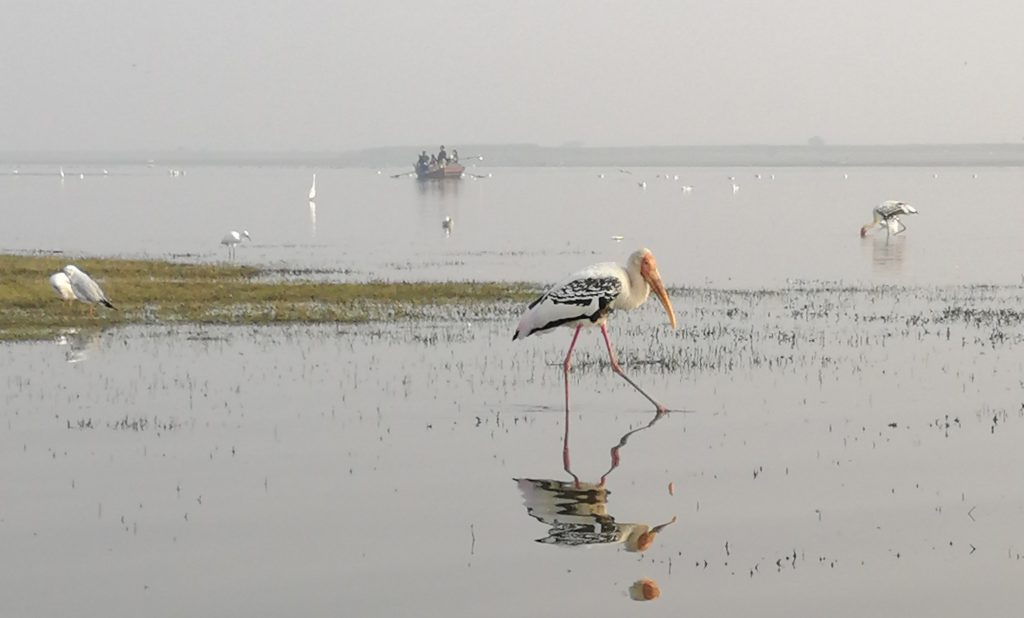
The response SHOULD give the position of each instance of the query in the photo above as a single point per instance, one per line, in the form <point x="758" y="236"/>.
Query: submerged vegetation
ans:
<point x="153" y="292"/>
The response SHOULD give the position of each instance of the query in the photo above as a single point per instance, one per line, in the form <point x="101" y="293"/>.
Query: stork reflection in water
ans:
<point x="577" y="512"/>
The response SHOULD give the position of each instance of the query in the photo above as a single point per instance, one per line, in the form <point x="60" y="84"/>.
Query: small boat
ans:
<point x="433" y="172"/>
<point x="312" y="189"/>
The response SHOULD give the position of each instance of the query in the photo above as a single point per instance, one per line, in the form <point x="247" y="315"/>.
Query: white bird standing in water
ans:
<point x="62" y="287"/>
<point x="888" y="213"/>
<point x="86" y="290"/>
<point x="447" y="224"/>
<point x="232" y="239"/>
<point x="587" y="297"/>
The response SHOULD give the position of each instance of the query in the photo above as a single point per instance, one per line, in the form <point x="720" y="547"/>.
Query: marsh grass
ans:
<point x="146" y="291"/>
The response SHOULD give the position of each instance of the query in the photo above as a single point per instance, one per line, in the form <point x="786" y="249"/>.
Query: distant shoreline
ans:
<point x="529" y="155"/>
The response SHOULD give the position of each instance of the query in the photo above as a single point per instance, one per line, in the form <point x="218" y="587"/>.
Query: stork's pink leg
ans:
<point x="617" y="369"/>
<point x="565" y="366"/>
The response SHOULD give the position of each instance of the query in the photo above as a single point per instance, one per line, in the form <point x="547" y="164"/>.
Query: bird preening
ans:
<point x="888" y="214"/>
<point x="587" y="297"/>
<point x="71" y="283"/>
<point x="62" y="287"/>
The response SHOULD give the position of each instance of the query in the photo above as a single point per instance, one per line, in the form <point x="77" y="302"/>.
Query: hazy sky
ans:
<point x="343" y="74"/>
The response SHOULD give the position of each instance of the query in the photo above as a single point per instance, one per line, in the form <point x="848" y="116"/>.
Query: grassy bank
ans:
<point x="147" y="291"/>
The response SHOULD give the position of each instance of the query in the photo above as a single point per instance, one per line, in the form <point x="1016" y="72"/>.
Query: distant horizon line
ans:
<point x="563" y="146"/>
<point x="1003" y="154"/>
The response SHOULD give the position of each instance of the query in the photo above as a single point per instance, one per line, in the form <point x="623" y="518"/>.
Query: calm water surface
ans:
<point x="538" y="224"/>
<point x="834" y="450"/>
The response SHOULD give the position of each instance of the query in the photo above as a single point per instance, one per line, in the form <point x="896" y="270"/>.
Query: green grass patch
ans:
<point x="153" y="291"/>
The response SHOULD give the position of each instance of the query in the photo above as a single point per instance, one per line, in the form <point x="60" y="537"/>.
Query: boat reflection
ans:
<point x="446" y="187"/>
<point x="576" y="512"/>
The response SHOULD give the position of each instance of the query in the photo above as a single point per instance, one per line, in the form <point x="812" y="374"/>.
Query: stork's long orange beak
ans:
<point x="653" y="277"/>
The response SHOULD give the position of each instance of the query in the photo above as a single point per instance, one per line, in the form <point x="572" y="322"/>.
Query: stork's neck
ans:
<point x="637" y="293"/>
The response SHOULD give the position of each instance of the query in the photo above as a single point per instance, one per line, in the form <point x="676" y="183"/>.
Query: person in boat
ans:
<point x="455" y="155"/>
<point x="433" y="160"/>
<point x="442" y="156"/>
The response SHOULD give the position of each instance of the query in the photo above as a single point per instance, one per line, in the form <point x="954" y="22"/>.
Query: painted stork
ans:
<point x="232" y="239"/>
<point x="86" y="290"/>
<point x="587" y="297"/>
<point x="888" y="213"/>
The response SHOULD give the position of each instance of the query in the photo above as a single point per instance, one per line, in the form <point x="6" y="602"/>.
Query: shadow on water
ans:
<point x="576" y="511"/>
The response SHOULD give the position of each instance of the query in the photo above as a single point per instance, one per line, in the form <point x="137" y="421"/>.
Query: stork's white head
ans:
<point x="649" y="271"/>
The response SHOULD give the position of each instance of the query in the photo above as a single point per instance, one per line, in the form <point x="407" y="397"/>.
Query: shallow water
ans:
<point x="537" y="224"/>
<point x="834" y="451"/>
<point x="845" y="440"/>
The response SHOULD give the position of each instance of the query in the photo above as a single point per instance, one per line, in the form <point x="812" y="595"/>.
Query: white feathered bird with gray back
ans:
<point x="85" y="289"/>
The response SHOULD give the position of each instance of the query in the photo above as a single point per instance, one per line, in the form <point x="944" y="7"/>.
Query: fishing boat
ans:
<point x="436" y="172"/>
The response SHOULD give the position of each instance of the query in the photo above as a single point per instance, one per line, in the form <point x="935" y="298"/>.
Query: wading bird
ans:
<point x="62" y="287"/>
<point x="587" y="297"/>
<point x="447" y="224"/>
<point x="231" y="240"/>
<point x="888" y="213"/>
<point x="86" y="290"/>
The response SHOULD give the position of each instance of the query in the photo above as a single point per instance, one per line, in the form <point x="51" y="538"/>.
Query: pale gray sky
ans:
<point x="343" y="74"/>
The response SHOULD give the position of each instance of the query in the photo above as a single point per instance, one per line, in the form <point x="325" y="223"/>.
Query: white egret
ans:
<point x="232" y="239"/>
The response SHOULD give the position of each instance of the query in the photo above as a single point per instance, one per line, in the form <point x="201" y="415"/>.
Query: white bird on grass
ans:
<point x="232" y="239"/>
<point x="86" y="290"/>
<point x="888" y="213"/>
<point x="62" y="288"/>
<point x="587" y="297"/>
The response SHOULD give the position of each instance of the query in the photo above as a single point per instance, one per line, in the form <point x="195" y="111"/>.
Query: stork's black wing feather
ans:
<point x="583" y="292"/>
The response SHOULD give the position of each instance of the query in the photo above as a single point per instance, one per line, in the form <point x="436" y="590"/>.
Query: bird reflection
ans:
<point x="644" y="590"/>
<point x="887" y="253"/>
<point x="577" y="512"/>
<point x="77" y="344"/>
<point x="312" y="219"/>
